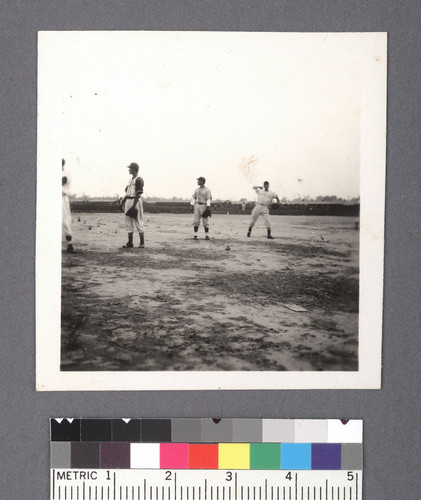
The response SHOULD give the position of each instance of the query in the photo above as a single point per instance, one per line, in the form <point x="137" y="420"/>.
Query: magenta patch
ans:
<point x="174" y="456"/>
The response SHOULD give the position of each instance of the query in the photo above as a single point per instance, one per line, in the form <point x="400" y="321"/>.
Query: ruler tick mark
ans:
<point x="356" y="493"/>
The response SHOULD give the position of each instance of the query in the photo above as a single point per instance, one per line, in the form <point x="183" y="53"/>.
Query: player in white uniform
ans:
<point x="66" y="213"/>
<point x="200" y="201"/>
<point x="134" y="191"/>
<point x="264" y="200"/>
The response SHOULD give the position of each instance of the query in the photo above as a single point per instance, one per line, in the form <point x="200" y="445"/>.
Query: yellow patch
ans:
<point x="234" y="455"/>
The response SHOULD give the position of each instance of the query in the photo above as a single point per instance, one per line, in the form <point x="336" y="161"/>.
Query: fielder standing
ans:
<point x="66" y="213"/>
<point x="134" y="191"/>
<point x="200" y="202"/>
<point x="264" y="200"/>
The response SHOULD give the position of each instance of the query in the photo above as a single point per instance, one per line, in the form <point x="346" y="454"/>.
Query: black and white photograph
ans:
<point x="221" y="213"/>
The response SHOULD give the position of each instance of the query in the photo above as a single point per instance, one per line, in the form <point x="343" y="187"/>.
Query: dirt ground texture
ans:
<point x="231" y="303"/>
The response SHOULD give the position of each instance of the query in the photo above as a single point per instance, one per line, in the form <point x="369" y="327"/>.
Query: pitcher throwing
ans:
<point x="264" y="201"/>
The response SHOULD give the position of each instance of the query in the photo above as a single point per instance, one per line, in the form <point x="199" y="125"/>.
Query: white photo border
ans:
<point x="371" y="51"/>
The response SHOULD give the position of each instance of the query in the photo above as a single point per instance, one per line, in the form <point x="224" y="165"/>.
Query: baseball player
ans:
<point x="66" y="213"/>
<point x="133" y="199"/>
<point x="264" y="200"/>
<point x="201" y="201"/>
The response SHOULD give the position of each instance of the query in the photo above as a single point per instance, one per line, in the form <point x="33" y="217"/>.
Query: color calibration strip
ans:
<point x="230" y="444"/>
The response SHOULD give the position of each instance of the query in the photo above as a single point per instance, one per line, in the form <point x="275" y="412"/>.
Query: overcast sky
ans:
<point x="184" y="105"/>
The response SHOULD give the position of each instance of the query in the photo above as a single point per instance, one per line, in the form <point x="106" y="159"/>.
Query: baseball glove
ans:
<point x="275" y="206"/>
<point x="206" y="213"/>
<point x="132" y="212"/>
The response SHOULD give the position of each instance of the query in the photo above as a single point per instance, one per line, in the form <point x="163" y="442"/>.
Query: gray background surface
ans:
<point x="391" y="415"/>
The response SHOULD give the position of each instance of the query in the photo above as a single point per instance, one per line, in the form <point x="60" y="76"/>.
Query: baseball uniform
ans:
<point x="134" y="189"/>
<point x="264" y="200"/>
<point x="200" y="200"/>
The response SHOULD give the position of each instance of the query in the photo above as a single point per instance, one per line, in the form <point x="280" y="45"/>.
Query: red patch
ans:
<point x="203" y="456"/>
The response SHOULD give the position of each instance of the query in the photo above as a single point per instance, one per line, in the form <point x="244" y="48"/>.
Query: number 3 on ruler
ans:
<point x="229" y="476"/>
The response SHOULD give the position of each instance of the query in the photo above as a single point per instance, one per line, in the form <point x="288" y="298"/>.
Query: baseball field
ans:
<point x="232" y="303"/>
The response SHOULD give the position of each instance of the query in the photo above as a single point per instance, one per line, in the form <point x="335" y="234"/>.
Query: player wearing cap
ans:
<point x="264" y="200"/>
<point x="66" y="213"/>
<point x="134" y="190"/>
<point x="201" y="201"/>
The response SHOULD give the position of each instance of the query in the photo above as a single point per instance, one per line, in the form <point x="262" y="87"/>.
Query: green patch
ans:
<point x="265" y="456"/>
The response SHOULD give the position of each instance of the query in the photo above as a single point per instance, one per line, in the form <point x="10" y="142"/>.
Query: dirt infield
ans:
<point x="232" y="303"/>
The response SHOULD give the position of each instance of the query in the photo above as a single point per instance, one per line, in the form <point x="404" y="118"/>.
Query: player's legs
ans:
<point x="66" y="217"/>
<point x="266" y="217"/>
<point x="197" y="214"/>
<point x="206" y="222"/>
<point x="128" y="222"/>
<point x="139" y="224"/>
<point x="254" y="216"/>
<point x="67" y="223"/>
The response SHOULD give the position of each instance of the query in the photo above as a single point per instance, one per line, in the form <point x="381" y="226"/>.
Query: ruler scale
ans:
<point x="308" y="485"/>
<point x="202" y="459"/>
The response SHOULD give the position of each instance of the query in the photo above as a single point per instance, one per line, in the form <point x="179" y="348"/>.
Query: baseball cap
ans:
<point x="135" y="165"/>
<point x="201" y="179"/>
